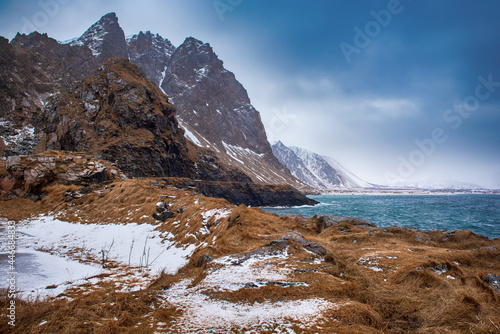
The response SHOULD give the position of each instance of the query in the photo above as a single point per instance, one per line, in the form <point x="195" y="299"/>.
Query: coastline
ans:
<point x="410" y="192"/>
<point x="478" y="213"/>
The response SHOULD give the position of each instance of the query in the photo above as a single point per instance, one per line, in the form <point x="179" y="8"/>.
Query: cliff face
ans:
<point x="210" y="99"/>
<point x="214" y="109"/>
<point x="120" y="116"/>
<point x="33" y="68"/>
<point x="151" y="53"/>
<point x="50" y="98"/>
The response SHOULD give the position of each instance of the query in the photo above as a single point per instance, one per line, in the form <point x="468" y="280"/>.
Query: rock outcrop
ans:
<point x="27" y="176"/>
<point x="120" y="116"/>
<point x="248" y="193"/>
<point x="325" y="221"/>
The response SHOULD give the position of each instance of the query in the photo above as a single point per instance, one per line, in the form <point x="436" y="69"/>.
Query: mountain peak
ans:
<point x="151" y="52"/>
<point x="216" y="111"/>
<point x="278" y="143"/>
<point x="105" y="38"/>
<point x="105" y="22"/>
<point x="110" y="16"/>
<point x="193" y="41"/>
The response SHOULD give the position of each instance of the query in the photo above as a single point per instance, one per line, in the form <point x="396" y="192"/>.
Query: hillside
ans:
<point x="115" y="113"/>
<point x="227" y="268"/>
<point x="212" y="106"/>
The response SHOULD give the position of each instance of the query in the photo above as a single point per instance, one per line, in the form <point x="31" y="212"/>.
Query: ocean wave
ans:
<point x="299" y="206"/>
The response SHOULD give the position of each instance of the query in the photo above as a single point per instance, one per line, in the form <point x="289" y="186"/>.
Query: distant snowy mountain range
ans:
<point x="438" y="184"/>
<point x="325" y="173"/>
<point x="318" y="171"/>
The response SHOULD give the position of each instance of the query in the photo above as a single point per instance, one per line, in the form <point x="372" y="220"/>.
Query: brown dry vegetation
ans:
<point x="383" y="280"/>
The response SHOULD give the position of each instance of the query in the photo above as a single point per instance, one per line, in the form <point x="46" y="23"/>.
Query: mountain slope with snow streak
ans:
<point x="315" y="170"/>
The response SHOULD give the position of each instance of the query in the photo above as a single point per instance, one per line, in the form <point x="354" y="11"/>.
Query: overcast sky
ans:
<point x="394" y="90"/>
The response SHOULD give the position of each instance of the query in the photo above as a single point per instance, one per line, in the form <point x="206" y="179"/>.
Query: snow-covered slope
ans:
<point x="350" y="179"/>
<point x="315" y="170"/>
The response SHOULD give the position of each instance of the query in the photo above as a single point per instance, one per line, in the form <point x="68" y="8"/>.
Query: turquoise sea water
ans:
<point x="476" y="212"/>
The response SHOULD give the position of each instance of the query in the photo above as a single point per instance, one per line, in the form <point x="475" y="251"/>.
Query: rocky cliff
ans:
<point x="151" y="53"/>
<point x="120" y="116"/>
<point x="105" y="39"/>
<point x="33" y="68"/>
<point x="213" y="107"/>
<point x="216" y="112"/>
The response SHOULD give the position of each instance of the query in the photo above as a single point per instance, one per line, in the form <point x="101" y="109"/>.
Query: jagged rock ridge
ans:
<point x="216" y="112"/>
<point x="213" y="107"/>
<point x="120" y="116"/>
<point x="240" y="139"/>
<point x="151" y="53"/>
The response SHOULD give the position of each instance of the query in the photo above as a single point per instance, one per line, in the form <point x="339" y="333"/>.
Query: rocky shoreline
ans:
<point x="27" y="176"/>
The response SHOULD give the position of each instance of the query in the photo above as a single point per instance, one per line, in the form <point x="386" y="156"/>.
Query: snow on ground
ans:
<point x="217" y="213"/>
<point x="38" y="270"/>
<point x="233" y="275"/>
<point x="202" y="313"/>
<point x="129" y="244"/>
<point x="49" y="250"/>
<point x="212" y="217"/>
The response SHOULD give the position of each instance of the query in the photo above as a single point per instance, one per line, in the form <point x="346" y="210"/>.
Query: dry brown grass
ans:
<point x="411" y="294"/>
<point x="103" y="311"/>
